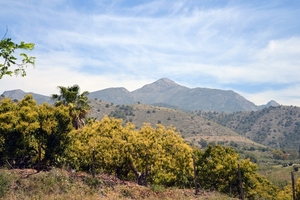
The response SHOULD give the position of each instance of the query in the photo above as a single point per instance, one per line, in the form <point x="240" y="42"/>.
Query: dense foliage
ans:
<point x="32" y="134"/>
<point x="287" y="193"/>
<point x="158" y="155"/>
<point x="217" y="168"/>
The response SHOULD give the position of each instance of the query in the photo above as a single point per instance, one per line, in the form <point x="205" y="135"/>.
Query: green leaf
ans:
<point x="7" y="49"/>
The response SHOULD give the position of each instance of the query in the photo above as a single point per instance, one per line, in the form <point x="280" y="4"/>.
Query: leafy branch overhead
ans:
<point x="7" y="53"/>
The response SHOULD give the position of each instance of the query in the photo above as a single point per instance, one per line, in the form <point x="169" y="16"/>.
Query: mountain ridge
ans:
<point x="167" y="92"/>
<point x="19" y="94"/>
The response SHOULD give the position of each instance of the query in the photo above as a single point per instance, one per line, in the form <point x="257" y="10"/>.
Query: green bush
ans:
<point x="253" y="158"/>
<point x="157" y="188"/>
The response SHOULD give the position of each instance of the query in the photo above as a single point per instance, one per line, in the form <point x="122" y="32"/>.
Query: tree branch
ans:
<point x="5" y="33"/>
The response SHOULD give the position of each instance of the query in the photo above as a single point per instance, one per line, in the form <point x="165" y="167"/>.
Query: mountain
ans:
<point x="165" y="92"/>
<point x="14" y="94"/>
<point x="19" y="94"/>
<point x="114" y="95"/>
<point x="161" y="91"/>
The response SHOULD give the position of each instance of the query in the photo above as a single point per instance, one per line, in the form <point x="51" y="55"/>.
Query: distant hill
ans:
<point x="14" y="94"/>
<point x="270" y="103"/>
<point x="277" y="127"/>
<point x="166" y="92"/>
<point x="19" y="94"/>
<point x="114" y="95"/>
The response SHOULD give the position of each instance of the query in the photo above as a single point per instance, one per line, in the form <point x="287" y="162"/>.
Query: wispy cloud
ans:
<point x="104" y="44"/>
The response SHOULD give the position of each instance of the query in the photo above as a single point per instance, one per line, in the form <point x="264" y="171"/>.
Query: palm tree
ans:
<point x="77" y="103"/>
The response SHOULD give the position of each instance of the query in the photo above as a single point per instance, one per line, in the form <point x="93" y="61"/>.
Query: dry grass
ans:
<point x="277" y="174"/>
<point x="58" y="184"/>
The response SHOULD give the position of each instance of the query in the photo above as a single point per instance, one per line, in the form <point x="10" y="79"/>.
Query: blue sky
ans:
<point x="251" y="47"/>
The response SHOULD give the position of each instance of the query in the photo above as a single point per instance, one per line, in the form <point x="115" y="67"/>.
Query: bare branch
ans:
<point x="5" y="33"/>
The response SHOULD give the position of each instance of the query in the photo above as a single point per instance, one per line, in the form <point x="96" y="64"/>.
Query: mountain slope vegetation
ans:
<point x="192" y="127"/>
<point x="276" y="127"/>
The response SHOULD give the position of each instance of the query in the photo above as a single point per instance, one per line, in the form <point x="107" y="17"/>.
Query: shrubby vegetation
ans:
<point x="122" y="112"/>
<point x="38" y="136"/>
<point x="217" y="169"/>
<point x="32" y="135"/>
<point x="156" y="155"/>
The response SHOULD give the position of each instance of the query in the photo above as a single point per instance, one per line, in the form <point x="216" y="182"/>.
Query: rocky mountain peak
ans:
<point x="165" y="81"/>
<point x="272" y="103"/>
<point x="159" y="85"/>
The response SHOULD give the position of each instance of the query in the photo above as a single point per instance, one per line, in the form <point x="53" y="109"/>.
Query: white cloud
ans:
<point x="134" y="45"/>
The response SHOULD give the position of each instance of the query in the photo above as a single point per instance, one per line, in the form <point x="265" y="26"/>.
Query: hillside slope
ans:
<point x="192" y="127"/>
<point x="277" y="127"/>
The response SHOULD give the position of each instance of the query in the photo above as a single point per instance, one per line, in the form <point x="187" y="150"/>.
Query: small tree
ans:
<point x="76" y="102"/>
<point x="32" y="134"/>
<point x="203" y="143"/>
<point x="217" y="169"/>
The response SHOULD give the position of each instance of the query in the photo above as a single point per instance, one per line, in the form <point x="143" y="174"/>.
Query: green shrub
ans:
<point x="157" y="188"/>
<point x="253" y="158"/>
